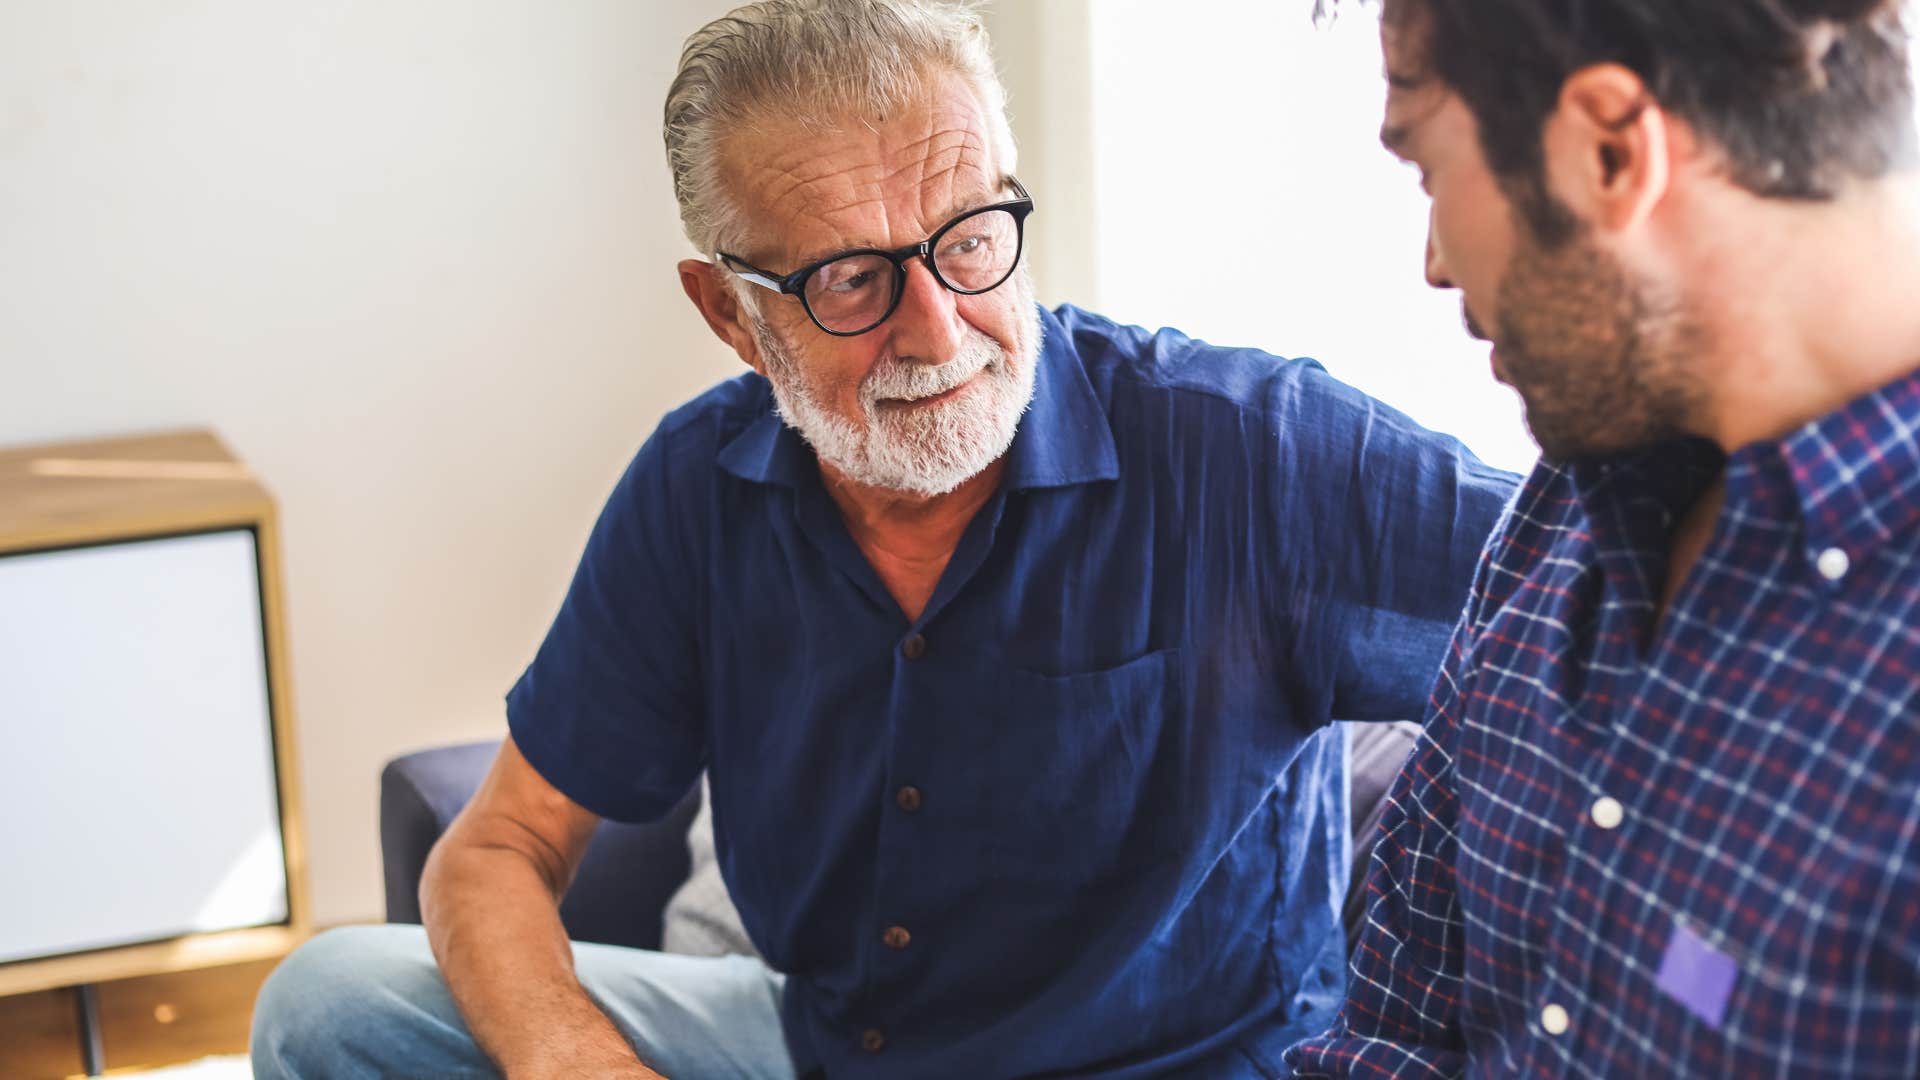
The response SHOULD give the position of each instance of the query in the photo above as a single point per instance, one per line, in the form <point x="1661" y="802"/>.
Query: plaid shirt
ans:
<point x="1629" y="850"/>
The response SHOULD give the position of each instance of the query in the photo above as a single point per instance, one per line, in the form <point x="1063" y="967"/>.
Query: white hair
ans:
<point x="812" y="62"/>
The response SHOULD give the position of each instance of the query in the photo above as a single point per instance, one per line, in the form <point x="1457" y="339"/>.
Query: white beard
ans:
<point x="930" y="450"/>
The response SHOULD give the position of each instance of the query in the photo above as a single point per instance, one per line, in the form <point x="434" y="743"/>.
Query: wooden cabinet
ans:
<point x="170" y="987"/>
<point x="145" y="1022"/>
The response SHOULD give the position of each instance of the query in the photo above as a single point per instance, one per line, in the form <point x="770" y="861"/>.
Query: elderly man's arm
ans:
<point x="490" y="897"/>
<point x="1402" y="518"/>
<point x="1402" y="1013"/>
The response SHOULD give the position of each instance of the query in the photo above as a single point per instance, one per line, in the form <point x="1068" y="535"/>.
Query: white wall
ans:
<point x="413" y="260"/>
<point x="1044" y="49"/>
<point x="1244" y="197"/>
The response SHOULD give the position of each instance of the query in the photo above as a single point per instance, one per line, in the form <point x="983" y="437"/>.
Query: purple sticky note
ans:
<point x="1697" y="975"/>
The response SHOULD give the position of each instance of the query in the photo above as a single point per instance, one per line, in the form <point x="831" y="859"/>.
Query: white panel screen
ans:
<point x="137" y="783"/>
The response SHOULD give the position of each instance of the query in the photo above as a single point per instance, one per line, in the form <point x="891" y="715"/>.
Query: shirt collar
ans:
<point x="1852" y="477"/>
<point x="1857" y="471"/>
<point x="1063" y="439"/>
<point x="767" y="451"/>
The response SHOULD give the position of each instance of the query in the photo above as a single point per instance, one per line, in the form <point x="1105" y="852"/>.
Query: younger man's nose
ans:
<point x="1436" y="266"/>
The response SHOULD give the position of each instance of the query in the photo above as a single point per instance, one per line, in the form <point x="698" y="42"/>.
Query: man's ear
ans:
<point x="706" y="285"/>
<point x="1609" y="148"/>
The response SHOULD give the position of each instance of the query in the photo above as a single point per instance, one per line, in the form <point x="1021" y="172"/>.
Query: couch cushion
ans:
<point x="1375" y="754"/>
<point x="625" y="878"/>
<point x="701" y="919"/>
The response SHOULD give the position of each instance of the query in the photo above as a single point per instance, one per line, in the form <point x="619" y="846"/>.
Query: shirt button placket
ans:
<point x="907" y="798"/>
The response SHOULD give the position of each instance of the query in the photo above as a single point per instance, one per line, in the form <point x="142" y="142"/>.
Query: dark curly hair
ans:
<point x="1801" y="95"/>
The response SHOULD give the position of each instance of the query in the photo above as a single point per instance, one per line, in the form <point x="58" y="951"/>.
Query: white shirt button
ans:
<point x="1833" y="564"/>
<point x="1608" y="813"/>
<point x="1554" y="1020"/>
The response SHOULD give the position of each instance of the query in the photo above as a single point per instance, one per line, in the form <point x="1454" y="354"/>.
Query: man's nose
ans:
<point x="926" y="326"/>
<point x="1437" y="275"/>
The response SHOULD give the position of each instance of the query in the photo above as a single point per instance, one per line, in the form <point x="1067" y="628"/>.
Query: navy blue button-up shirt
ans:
<point x="1688" y="847"/>
<point x="1129" y="842"/>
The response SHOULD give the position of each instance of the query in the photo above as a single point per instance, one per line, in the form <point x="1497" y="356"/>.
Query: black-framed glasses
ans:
<point x="854" y="291"/>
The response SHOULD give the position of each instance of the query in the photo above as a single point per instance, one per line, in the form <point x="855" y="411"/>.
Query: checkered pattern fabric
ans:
<point x="1689" y="847"/>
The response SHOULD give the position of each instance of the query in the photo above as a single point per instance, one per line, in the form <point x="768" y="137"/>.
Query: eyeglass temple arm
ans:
<point x="751" y="273"/>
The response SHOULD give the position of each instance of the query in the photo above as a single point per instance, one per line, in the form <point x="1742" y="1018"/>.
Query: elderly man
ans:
<point x="1010" y="640"/>
<point x="1665" y="816"/>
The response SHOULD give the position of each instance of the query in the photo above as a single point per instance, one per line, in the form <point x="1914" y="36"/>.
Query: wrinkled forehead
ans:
<point x="807" y="186"/>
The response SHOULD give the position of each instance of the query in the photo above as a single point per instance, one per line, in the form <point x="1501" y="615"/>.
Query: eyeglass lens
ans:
<point x="973" y="255"/>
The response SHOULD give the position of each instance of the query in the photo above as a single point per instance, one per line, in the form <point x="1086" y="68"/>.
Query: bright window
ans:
<point x="1243" y="197"/>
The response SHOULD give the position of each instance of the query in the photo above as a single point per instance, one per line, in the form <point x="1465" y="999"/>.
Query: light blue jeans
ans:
<point x="368" y="1001"/>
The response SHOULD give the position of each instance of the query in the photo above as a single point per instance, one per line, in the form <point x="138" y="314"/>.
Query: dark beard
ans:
<point x="1602" y="362"/>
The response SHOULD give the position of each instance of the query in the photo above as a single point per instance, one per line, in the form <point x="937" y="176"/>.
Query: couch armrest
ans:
<point x="628" y="874"/>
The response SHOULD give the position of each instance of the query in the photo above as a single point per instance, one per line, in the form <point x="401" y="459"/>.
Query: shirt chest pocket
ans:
<point x="1088" y="772"/>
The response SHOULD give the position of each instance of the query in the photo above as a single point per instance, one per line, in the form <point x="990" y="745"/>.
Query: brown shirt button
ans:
<point x="897" y="937"/>
<point x="872" y="1041"/>
<point x="908" y="799"/>
<point x="914" y="647"/>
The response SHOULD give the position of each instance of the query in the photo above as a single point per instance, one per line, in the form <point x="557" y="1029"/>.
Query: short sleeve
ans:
<point x="1396" y="518"/>
<point x="609" y="712"/>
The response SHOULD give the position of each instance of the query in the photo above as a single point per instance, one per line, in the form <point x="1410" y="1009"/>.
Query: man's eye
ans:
<point x="851" y="283"/>
<point x="966" y="247"/>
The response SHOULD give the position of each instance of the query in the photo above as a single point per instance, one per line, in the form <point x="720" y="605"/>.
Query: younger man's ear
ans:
<point x="1609" y="147"/>
<point x="706" y="285"/>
